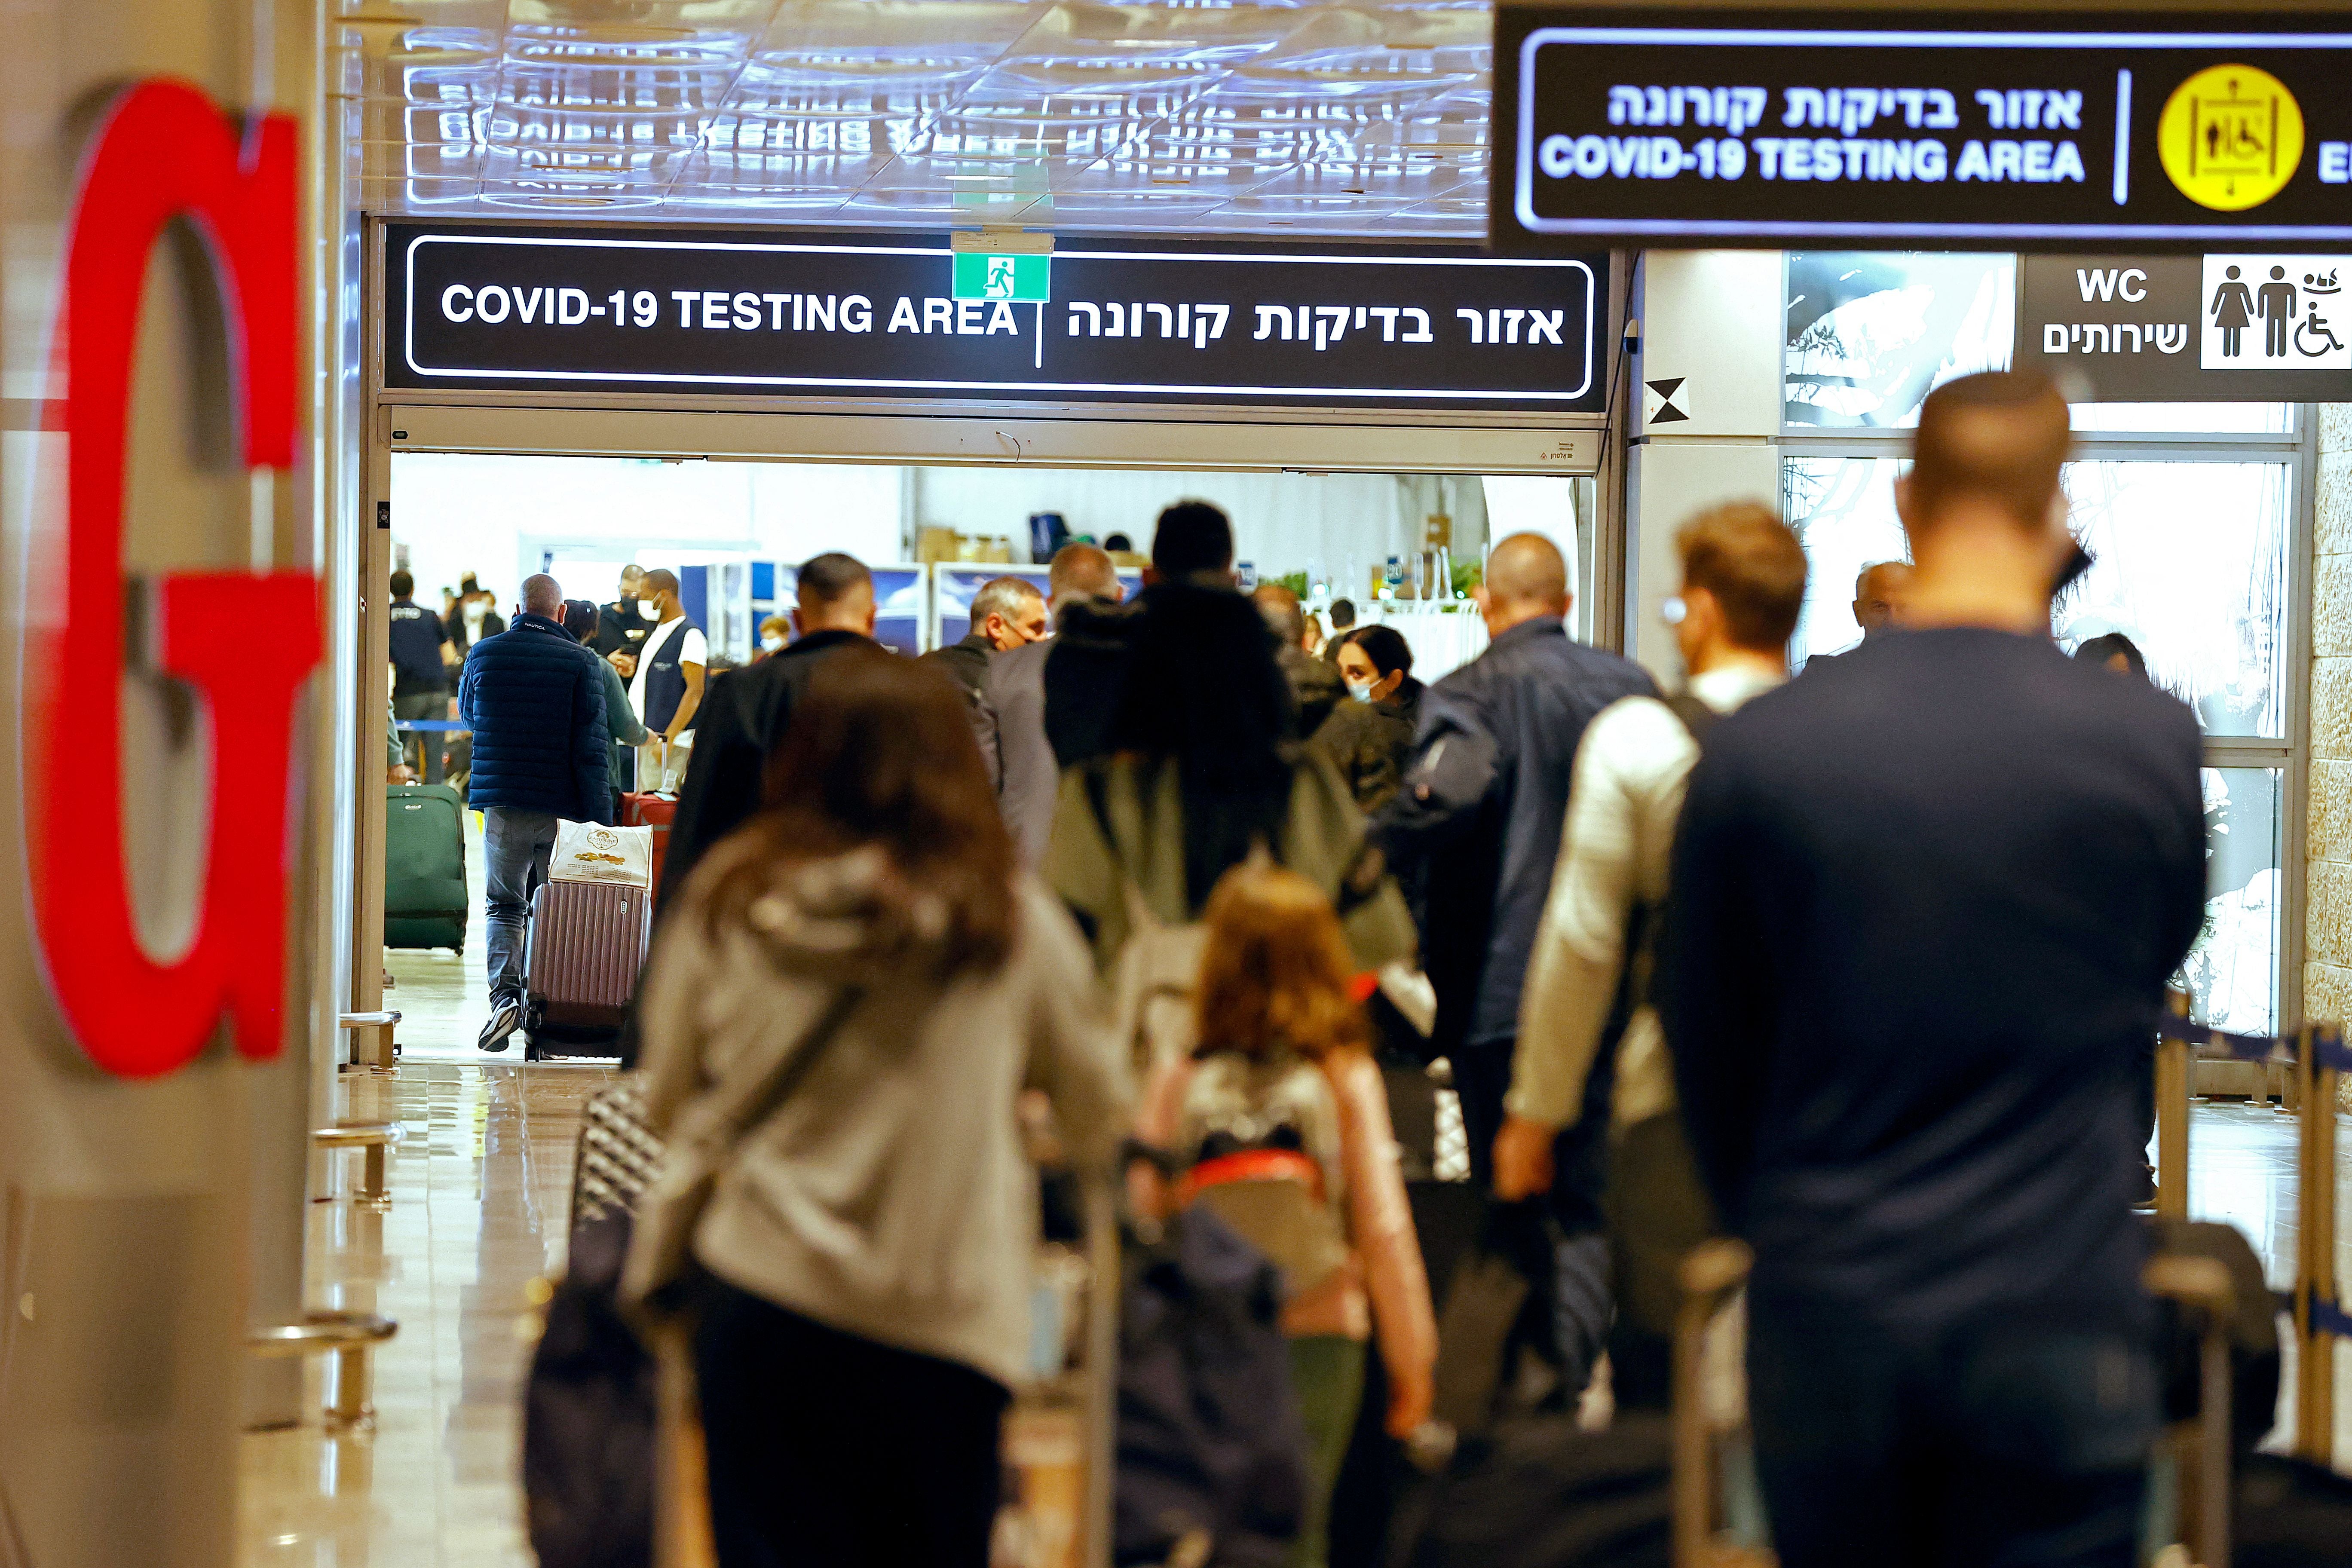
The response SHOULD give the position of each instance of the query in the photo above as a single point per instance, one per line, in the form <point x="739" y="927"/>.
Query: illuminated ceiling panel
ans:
<point x="1349" y="117"/>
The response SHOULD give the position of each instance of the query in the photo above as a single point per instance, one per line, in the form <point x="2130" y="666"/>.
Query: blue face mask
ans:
<point x="1362" y="693"/>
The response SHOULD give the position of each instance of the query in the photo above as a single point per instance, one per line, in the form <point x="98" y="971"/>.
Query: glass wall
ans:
<point x="2190" y="514"/>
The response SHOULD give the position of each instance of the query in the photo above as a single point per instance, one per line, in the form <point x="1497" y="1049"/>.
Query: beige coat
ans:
<point x="891" y="1196"/>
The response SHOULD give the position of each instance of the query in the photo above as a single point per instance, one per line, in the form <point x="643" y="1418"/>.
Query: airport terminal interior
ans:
<point x="696" y="293"/>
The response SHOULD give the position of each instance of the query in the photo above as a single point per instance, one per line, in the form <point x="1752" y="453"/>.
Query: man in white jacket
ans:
<point x="1743" y="585"/>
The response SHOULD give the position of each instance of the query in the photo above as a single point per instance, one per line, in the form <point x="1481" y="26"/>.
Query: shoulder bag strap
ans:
<point x="765" y="1094"/>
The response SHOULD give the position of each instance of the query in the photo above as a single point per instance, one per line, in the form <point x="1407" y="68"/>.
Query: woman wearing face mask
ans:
<point x="476" y="619"/>
<point x="774" y="633"/>
<point x="1369" y="737"/>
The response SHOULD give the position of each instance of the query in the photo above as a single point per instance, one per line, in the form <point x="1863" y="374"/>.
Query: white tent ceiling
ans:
<point x="1272" y="117"/>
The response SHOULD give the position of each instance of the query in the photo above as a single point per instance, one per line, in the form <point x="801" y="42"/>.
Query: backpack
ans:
<point x="1259" y="1141"/>
<point x="1158" y="968"/>
<point x="1212" y="1455"/>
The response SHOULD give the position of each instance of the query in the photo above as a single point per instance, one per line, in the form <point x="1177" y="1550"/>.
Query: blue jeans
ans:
<point x="516" y="847"/>
<point x="2005" y="1446"/>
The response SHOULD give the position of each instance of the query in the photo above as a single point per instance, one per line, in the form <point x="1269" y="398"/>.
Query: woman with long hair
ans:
<point x="866" y="1247"/>
<point x="1279" y="1121"/>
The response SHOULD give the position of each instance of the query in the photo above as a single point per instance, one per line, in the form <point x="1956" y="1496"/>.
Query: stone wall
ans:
<point x="2327" y="905"/>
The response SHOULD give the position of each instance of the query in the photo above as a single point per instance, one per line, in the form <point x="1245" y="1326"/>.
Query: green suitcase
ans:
<point x="425" y="895"/>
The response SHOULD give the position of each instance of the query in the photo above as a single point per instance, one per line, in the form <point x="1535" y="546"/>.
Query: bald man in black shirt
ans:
<point x="1925" y="903"/>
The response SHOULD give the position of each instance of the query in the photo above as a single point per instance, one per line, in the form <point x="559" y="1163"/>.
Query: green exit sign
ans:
<point x="981" y="276"/>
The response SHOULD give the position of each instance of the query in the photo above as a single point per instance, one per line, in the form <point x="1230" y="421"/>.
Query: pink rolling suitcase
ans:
<point x="588" y="941"/>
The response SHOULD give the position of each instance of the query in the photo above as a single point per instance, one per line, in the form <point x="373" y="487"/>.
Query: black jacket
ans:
<point x="965" y="663"/>
<point x="1925" y="903"/>
<point x="739" y="724"/>
<point x="1369" y="743"/>
<point x="1086" y="676"/>
<point x="1011" y="721"/>
<point x="1477" y="824"/>
<point x="535" y="701"/>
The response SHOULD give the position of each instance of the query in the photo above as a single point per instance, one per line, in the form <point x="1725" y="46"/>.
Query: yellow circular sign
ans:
<point x="2231" y="137"/>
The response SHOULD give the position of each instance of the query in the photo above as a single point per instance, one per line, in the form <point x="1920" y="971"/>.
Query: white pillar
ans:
<point x="1711" y="320"/>
<point x="140" y="1221"/>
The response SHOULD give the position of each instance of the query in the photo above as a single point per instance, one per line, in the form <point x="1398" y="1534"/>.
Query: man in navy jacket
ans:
<point x="535" y="701"/>
<point x="1475" y="831"/>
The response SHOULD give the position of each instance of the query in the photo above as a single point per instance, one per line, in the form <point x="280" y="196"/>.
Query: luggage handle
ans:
<point x="2203" y="1285"/>
<point x="1712" y="1273"/>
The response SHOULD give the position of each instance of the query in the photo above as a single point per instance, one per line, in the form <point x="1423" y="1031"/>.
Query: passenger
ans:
<point x="666" y="678"/>
<point x="750" y="712"/>
<point x="1315" y="688"/>
<point x="1743" y="586"/>
<point x="535" y="703"/>
<point x="421" y="660"/>
<point x="2114" y="651"/>
<point x="1086" y="680"/>
<point x="1476" y="830"/>
<point x="623" y="625"/>
<point x="477" y="616"/>
<point x="1195" y="766"/>
<point x="1369" y="737"/>
<point x="863" y="1306"/>
<point x="774" y="633"/>
<point x="1016" y="730"/>
<point x="2118" y="653"/>
<point x="1925" y="909"/>
<point x="396" y="768"/>
<point x="1878" y="599"/>
<point x="1006" y="613"/>
<point x="1284" y="1068"/>
<point x="581" y="618"/>
<point x="1343" y="620"/>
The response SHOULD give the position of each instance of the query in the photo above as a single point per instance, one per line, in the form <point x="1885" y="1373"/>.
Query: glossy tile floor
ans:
<point x="480" y="1186"/>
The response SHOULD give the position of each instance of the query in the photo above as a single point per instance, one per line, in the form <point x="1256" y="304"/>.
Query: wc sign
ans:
<point x="2275" y="312"/>
<point x="2223" y="327"/>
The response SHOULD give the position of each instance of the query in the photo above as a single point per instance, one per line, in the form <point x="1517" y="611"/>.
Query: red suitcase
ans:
<point x="652" y="811"/>
<point x="588" y="941"/>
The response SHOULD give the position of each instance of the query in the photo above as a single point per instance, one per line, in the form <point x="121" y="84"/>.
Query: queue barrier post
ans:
<point x="2317" y="1317"/>
<point x="2172" y="1114"/>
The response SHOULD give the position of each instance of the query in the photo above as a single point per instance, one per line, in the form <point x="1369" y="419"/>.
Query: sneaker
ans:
<point x="506" y="1017"/>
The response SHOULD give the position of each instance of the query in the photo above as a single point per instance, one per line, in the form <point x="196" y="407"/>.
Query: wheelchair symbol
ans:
<point x="2321" y="333"/>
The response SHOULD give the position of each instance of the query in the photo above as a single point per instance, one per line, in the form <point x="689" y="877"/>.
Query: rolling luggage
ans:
<point x="654" y="811"/>
<point x="588" y="941"/>
<point x="425" y="895"/>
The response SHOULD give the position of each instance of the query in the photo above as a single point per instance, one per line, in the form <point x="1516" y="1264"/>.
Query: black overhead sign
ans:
<point x="2223" y="327"/>
<point x="1993" y="129"/>
<point x="815" y="315"/>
